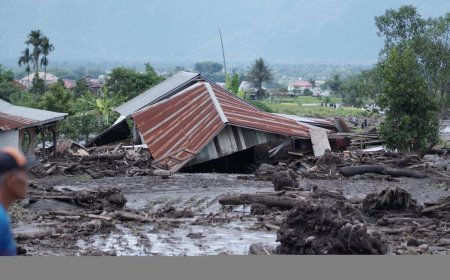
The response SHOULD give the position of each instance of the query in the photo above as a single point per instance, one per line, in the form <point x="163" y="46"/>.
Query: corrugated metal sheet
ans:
<point x="240" y="113"/>
<point x="10" y="122"/>
<point x="230" y="140"/>
<point x="179" y="127"/>
<point x="117" y="132"/>
<point x="38" y="116"/>
<point x="171" y="85"/>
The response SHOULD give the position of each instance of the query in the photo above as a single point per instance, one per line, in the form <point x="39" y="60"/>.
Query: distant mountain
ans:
<point x="339" y="31"/>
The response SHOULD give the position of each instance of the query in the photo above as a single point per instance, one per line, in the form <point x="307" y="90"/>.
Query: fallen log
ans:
<point x="37" y="235"/>
<point x="435" y="207"/>
<point x="99" y="217"/>
<point x="267" y="200"/>
<point x="379" y="169"/>
<point x="404" y="173"/>
<point x="95" y="175"/>
<point x="127" y="216"/>
<point x="387" y="221"/>
<point x="362" y="169"/>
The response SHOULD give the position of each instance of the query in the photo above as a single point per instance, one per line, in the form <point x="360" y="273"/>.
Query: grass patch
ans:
<point x="315" y="111"/>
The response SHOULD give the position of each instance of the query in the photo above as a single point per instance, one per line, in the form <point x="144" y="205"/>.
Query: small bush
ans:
<point x="261" y="106"/>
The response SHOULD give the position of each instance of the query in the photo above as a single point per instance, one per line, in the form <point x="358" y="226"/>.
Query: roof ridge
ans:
<point x="219" y="109"/>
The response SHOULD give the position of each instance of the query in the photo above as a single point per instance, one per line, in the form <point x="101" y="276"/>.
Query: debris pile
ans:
<point x="86" y="200"/>
<point x="390" y="199"/>
<point x="315" y="227"/>
<point x="99" y="161"/>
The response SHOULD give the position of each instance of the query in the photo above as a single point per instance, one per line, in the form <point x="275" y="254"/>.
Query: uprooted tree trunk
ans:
<point x="379" y="169"/>
<point x="389" y="199"/>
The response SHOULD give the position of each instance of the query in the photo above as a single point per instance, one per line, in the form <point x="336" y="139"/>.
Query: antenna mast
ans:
<point x="223" y="54"/>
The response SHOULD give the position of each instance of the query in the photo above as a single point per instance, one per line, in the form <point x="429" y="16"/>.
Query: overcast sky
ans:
<point x="180" y="30"/>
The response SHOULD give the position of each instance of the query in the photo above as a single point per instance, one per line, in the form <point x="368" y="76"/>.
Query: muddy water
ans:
<point x="230" y="239"/>
<point x="199" y="193"/>
<point x="196" y="192"/>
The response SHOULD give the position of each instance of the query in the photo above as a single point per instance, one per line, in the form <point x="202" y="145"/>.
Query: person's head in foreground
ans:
<point x="13" y="186"/>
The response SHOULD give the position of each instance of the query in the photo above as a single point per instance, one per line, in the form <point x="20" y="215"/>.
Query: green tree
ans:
<point x="411" y="114"/>
<point x="35" y="38"/>
<point x="7" y="88"/>
<point x="46" y="48"/>
<point x="208" y="67"/>
<point x="232" y="83"/>
<point x="335" y="84"/>
<point x="57" y="99"/>
<point x="129" y="83"/>
<point x="25" y="99"/>
<point x="103" y="105"/>
<point x="37" y="85"/>
<point x="258" y="73"/>
<point x="429" y="40"/>
<point x="80" y="88"/>
<point x="399" y="26"/>
<point x="263" y="106"/>
<point x="357" y="90"/>
<point x="307" y="92"/>
<point x="25" y="59"/>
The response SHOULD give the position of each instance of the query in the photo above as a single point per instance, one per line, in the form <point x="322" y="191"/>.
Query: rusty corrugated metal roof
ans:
<point x="10" y="122"/>
<point x="179" y="127"/>
<point x="25" y="114"/>
<point x="176" y="129"/>
<point x="173" y="84"/>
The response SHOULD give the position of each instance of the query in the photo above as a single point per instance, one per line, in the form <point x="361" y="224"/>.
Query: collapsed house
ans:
<point x="120" y="130"/>
<point x="21" y="126"/>
<point x="190" y="123"/>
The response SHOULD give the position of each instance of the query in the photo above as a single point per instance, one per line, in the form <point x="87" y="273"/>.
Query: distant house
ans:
<point x="19" y="126"/>
<point x="248" y="87"/>
<point x="251" y="89"/>
<point x="18" y="84"/>
<point x="299" y="86"/>
<point x="47" y="77"/>
<point x="69" y="84"/>
<point x="94" y="84"/>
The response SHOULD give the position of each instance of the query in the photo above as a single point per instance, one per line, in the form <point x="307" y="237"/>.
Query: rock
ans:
<point x="413" y="242"/>
<point x="259" y="209"/>
<point x="259" y="249"/>
<point x="118" y="199"/>
<point x="423" y="247"/>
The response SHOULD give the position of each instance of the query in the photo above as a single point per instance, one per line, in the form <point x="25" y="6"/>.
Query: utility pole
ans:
<point x="223" y="54"/>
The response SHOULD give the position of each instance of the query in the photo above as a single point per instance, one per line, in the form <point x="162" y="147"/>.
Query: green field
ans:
<point x="314" y="111"/>
<point x="304" y="100"/>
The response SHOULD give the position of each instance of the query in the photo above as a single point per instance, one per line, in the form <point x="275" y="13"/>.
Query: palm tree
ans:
<point x="35" y="39"/>
<point x="46" y="49"/>
<point x="25" y="59"/>
<point x="259" y="73"/>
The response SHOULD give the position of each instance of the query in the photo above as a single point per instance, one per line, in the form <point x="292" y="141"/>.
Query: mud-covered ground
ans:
<point x="212" y="230"/>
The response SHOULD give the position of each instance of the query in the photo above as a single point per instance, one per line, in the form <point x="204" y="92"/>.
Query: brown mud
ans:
<point x="181" y="215"/>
